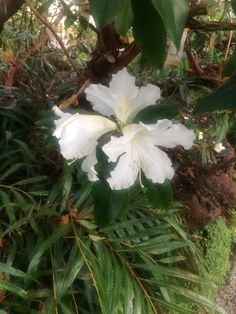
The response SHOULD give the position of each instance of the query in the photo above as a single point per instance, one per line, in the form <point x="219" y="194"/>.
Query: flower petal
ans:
<point x="170" y="135"/>
<point x="147" y="96"/>
<point x="78" y="134"/>
<point x="125" y="172"/>
<point x="155" y="164"/>
<point x="137" y="151"/>
<point x="122" y="99"/>
<point x="88" y="166"/>
<point x="60" y="123"/>
<point x="101" y="99"/>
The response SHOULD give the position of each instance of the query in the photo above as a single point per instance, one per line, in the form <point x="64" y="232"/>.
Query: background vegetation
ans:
<point x="68" y="246"/>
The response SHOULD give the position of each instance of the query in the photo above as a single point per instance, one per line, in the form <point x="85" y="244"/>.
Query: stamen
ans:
<point x="71" y="162"/>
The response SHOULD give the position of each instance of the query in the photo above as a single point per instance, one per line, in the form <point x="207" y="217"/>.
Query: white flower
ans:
<point x="200" y="135"/>
<point x="122" y="99"/>
<point x="78" y="135"/>
<point x="218" y="147"/>
<point x="137" y="150"/>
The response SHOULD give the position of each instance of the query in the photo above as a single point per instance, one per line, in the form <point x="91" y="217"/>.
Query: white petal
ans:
<point x="119" y="145"/>
<point x="122" y="99"/>
<point x="137" y="151"/>
<point x="170" y="135"/>
<point x="147" y="96"/>
<point x="64" y="116"/>
<point x="101" y="99"/>
<point x="218" y="147"/>
<point x="155" y="164"/>
<point x="125" y="172"/>
<point x="88" y="166"/>
<point x="78" y="134"/>
<point x="123" y="83"/>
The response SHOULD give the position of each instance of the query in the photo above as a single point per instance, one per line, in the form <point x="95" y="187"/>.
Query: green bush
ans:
<point x="217" y="246"/>
<point x="233" y="225"/>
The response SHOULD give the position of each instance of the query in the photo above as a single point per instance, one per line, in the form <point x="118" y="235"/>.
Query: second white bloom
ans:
<point x="137" y="150"/>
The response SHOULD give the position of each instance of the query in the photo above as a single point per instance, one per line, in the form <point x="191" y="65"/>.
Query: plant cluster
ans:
<point x="98" y="231"/>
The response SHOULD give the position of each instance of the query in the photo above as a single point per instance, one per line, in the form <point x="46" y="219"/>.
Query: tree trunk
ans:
<point x="7" y="9"/>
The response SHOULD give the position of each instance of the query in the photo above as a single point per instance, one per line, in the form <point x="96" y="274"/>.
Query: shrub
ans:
<point x="217" y="246"/>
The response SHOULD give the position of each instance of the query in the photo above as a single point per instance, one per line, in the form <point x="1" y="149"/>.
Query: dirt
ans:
<point x="207" y="191"/>
<point x="227" y="296"/>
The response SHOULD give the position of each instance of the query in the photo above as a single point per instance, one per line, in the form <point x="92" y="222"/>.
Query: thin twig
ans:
<point x="51" y="28"/>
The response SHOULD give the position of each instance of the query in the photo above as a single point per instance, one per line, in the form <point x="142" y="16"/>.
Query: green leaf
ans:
<point x="159" y="195"/>
<point x="108" y="204"/>
<point x="164" y="110"/>
<point x="5" y="285"/>
<point x="7" y="269"/>
<point x="9" y="206"/>
<point x="174" y="15"/>
<point x="70" y="17"/>
<point x="56" y="235"/>
<point x="45" y="6"/>
<point x="14" y="168"/>
<point x="73" y="267"/>
<point x="124" y="19"/>
<point x="149" y="31"/>
<point x="223" y="98"/>
<point x="31" y="180"/>
<point x="105" y="11"/>
<point x="233" y="4"/>
<point x="230" y="65"/>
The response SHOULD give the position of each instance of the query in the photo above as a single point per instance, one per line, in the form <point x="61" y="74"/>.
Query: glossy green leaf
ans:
<point x="108" y="204"/>
<point x="233" y="4"/>
<point x="159" y="195"/>
<point x="223" y="98"/>
<point x="163" y="110"/>
<point x="149" y="31"/>
<point x="124" y="19"/>
<point x="105" y="11"/>
<point x="174" y="14"/>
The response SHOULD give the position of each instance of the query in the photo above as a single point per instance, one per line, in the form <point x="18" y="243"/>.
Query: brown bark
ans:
<point x="211" y="26"/>
<point x="7" y="9"/>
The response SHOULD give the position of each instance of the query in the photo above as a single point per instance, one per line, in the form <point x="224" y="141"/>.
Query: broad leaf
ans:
<point x="159" y="195"/>
<point x="105" y="11"/>
<point x="164" y="110"/>
<point x="233" y="4"/>
<point x="108" y="204"/>
<point x="124" y="19"/>
<point x="223" y="98"/>
<point x="174" y="15"/>
<point x="149" y="31"/>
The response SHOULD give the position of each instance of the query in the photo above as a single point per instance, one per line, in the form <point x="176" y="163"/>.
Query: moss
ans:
<point x="217" y="245"/>
<point x="233" y="225"/>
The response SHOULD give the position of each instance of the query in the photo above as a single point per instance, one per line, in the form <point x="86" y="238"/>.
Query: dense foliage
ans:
<point x="68" y="245"/>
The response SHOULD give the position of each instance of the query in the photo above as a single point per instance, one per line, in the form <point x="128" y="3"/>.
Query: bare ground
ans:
<point x="227" y="296"/>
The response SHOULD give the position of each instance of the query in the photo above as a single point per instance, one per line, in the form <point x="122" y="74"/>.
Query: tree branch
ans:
<point x="58" y="38"/>
<point x="211" y="26"/>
